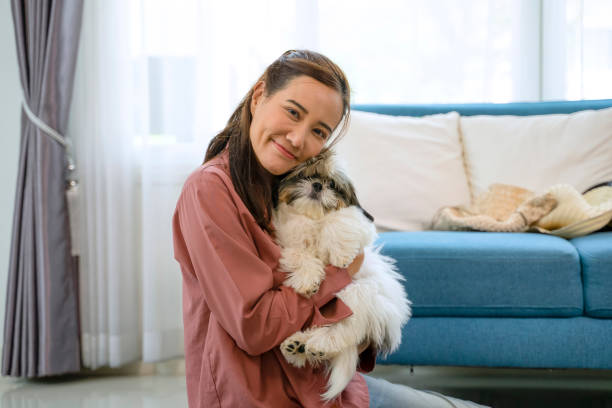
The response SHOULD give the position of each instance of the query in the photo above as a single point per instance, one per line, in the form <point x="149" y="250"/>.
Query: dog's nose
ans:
<point x="317" y="186"/>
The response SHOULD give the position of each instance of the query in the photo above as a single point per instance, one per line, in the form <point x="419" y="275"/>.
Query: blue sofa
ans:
<point x="503" y="299"/>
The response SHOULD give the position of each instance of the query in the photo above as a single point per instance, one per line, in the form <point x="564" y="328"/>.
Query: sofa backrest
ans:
<point x="470" y="109"/>
<point x="409" y="160"/>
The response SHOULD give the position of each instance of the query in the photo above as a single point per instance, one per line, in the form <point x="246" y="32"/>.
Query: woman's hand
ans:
<point x="354" y="267"/>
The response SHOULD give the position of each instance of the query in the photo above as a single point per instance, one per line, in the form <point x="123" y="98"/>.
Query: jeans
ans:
<point x="384" y="394"/>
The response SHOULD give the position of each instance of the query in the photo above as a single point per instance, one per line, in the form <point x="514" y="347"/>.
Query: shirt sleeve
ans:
<point x="215" y="243"/>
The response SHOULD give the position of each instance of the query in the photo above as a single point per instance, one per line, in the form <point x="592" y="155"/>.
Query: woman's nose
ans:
<point x="296" y="137"/>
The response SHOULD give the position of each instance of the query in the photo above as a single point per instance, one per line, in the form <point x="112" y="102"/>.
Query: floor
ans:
<point x="163" y="385"/>
<point x="511" y="388"/>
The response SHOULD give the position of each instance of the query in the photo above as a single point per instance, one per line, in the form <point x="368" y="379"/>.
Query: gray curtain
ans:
<point x="41" y="327"/>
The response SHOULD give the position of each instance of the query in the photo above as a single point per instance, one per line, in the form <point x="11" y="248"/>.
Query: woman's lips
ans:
<point x="284" y="151"/>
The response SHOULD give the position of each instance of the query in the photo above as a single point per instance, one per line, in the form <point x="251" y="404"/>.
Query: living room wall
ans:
<point x="9" y="142"/>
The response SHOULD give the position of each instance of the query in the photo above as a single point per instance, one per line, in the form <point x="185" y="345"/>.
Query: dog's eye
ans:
<point x="332" y="185"/>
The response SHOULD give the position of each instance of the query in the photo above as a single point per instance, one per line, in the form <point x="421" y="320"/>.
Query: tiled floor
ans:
<point x="163" y="385"/>
<point x="98" y="392"/>
<point x="511" y="388"/>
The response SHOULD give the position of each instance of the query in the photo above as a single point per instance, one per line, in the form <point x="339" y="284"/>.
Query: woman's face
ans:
<point x="292" y="125"/>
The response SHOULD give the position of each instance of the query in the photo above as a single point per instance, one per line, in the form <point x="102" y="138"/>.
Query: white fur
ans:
<point x="376" y="295"/>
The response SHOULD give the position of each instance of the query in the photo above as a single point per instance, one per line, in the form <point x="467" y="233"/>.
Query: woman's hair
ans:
<point x="250" y="179"/>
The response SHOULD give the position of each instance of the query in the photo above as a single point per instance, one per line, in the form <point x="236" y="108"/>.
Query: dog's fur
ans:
<point x="318" y="221"/>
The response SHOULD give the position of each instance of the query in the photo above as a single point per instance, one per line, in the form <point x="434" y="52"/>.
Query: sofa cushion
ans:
<point x="575" y="342"/>
<point x="452" y="273"/>
<point x="405" y="168"/>
<point x="595" y="252"/>
<point x="538" y="151"/>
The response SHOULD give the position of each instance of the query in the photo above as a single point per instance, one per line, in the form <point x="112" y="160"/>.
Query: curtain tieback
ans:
<point x="55" y="135"/>
<point x="44" y="127"/>
<point x="72" y="190"/>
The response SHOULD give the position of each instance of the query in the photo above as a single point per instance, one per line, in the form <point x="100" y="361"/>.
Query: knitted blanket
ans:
<point x="560" y="210"/>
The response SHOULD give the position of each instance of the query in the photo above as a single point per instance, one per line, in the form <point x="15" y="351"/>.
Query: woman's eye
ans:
<point x="320" y="133"/>
<point x="293" y="112"/>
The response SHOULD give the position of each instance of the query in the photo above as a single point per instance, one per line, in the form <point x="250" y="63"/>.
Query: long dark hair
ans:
<point x="250" y="179"/>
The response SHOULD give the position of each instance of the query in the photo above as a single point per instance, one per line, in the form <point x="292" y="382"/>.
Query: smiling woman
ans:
<point x="287" y="117"/>
<point x="236" y="309"/>
<point x="285" y="132"/>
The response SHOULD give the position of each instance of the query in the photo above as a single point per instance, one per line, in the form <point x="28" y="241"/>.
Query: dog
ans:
<point x="318" y="221"/>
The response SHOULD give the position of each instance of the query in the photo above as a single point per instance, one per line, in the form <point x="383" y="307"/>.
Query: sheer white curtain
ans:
<point x="577" y="54"/>
<point x="107" y="167"/>
<point x="416" y="51"/>
<point x="157" y="78"/>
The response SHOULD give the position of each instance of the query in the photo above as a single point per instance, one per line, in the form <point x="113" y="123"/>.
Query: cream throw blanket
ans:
<point x="560" y="210"/>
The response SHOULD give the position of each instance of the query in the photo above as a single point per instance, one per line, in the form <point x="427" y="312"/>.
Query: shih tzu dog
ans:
<point x="318" y="221"/>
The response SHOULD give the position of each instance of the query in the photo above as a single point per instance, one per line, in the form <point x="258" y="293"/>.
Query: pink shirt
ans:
<point x="236" y="311"/>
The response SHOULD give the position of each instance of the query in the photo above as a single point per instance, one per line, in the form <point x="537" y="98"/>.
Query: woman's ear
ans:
<point x="258" y="94"/>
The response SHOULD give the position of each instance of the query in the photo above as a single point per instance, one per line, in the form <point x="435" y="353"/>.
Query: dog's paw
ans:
<point x="342" y="259"/>
<point x="315" y="357"/>
<point x="318" y="347"/>
<point x="311" y="292"/>
<point x="294" y="349"/>
<point x="324" y="343"/>
<point x="303" y="283"/>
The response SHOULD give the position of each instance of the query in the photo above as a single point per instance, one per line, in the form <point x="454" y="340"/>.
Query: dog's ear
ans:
<point x="367" y="214"/>
<point x="352" y="199"/>
<point x="355" y="202"/>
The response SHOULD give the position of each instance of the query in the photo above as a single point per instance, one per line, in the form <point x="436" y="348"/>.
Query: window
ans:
<point x="194" y="71"/>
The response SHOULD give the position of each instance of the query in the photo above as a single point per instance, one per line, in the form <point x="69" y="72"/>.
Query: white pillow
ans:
<point x="536" y="152"/>
<point x="404" y="168"/>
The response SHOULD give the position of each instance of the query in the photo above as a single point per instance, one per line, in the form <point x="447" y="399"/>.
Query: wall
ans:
<point x="10" y="98"/>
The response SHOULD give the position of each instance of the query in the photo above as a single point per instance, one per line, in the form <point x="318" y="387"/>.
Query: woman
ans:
<point x="235" y="309"/>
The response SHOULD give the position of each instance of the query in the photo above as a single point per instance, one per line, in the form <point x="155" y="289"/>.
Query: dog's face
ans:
<point x="318" y="186"/>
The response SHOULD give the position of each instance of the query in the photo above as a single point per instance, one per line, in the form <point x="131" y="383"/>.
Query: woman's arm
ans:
<point x="212" y="240"/>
